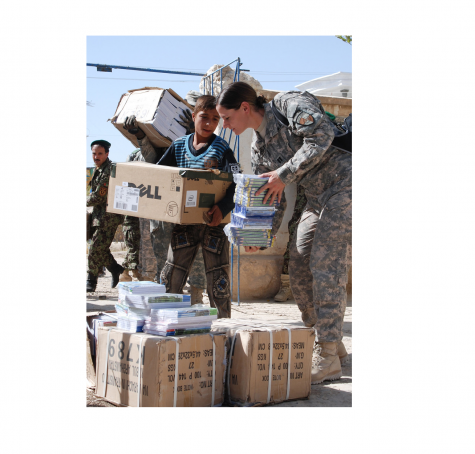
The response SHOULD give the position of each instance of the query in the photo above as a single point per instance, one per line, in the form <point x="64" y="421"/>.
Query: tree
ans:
<point x="346" y="38"/>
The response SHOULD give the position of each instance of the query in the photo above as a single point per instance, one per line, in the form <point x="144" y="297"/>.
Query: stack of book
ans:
<point x="251" y="222"/>
<point x="174" y="322"/>
<point x="167" y="116"/>
<point x="137" y="299"/>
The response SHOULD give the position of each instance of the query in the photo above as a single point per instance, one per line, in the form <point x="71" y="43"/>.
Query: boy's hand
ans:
<point x="216" y="216"/>
<point x="275" y="185"/>
<point x="187" y="122"/>
<point x="251" y="248"/>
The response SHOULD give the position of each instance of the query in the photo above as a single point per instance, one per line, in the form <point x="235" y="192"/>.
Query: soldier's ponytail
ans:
<point x="236" y="93"/>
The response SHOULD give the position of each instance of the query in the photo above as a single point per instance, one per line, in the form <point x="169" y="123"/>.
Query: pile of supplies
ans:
<point x="251" y="222"/>
<point x="167" y="116"/>
<point x="138" y="299"/>
<point x="175" y="322"/>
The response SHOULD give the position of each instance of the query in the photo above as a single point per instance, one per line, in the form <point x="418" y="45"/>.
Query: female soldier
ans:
<point x="292" y="144"/>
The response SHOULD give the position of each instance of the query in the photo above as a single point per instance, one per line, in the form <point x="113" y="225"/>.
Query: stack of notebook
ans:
<point x="251" y="222"/>
<point x="138" y="299"/>
<point x="174" y="322"/>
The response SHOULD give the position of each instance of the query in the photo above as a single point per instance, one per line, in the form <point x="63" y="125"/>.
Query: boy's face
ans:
<point x="206" y="121"/>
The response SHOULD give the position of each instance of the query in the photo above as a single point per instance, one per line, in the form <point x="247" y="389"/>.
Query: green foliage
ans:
<point x="346" y="38"/>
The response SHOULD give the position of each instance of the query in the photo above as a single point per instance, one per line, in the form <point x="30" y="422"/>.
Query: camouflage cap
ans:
<point x="102" y="143"/>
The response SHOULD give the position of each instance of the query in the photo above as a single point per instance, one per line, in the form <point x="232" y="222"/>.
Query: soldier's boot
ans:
<point x="125" y="276"/>
<point x="137" y="274"/>
<point x="91" y="283"/>
<point x="309" y="317"/>
<point x="285" y="293"/>
<point x="342" y="353"/>
<point x="196" y="295"/>
<point x="116" y="270"/>
<point x="326" y="362"/>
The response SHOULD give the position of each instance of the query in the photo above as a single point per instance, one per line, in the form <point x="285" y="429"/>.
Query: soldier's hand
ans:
<point x="275" y="185"/>
<point x="216" y="216"/>
<point x="187" y="121"/>
<point x="131" y="126"/>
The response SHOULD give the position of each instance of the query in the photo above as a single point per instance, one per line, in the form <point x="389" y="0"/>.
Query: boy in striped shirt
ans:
<point x="202" y="150"/>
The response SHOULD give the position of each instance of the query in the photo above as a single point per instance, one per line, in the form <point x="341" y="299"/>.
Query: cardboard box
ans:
<point x="250" y="380"/>
<point x="93" y="321"/>
<point x="181" y="363"/>
<point x="170" y="194"/>
<point x="143" y="103"/>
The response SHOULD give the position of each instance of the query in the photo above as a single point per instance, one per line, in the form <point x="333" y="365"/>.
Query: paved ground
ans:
<point x="328" y="394"/>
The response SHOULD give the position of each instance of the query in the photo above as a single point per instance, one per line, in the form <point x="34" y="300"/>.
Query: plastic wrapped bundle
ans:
<point x="250" y="212"/>
<point x="253" y="201"/>
<point x="197" y="319"/>
<point x="255" y="222"/>
<point x="141" y="288"/>
<point x="246" y="180"/>
<point x="130" y="325"/>
<point x="251" y="237"/>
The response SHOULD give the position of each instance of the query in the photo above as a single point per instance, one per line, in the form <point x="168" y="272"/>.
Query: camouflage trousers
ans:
<point x="160" y="236"/>
<point x="320" y="258"/>
<point x="131" y="229"/>
<point x="99" y="252"/>
<point x="184" y="245"/>
<point x="300" y="203"/>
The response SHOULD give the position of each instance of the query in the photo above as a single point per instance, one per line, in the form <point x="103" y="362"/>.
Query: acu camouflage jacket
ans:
<point x="99" y="185"/>
<point x="301" y="152"/>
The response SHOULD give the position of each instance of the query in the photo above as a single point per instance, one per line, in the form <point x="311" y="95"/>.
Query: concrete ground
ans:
<point x="327" y="394"/>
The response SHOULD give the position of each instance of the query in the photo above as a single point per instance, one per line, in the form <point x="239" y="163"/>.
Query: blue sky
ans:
<point x="279" y="63"/>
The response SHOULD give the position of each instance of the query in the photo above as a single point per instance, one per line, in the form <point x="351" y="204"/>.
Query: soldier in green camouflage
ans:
<point x="293" y="144"/>
<point x="104" y="225"/>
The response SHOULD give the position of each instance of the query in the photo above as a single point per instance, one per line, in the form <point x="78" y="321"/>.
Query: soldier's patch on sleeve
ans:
<point x="304" y="118"/>
<point x="235" y="168"/>
<point x="103" y="191"/>
<point x="305" y="121"/>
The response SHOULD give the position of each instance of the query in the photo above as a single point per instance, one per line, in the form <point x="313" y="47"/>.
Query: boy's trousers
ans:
<point x="183" y="247"/>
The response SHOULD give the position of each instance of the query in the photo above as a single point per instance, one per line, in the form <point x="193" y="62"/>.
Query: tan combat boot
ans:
<point x="284" y="293"/>
<point x="136" y="274"/>
<point x="125" y="277"/>
<point x="326" y="364"/>
<point x="196" y="295"/>
<point x="309" y="317"/>
<point x="342" y="353"/>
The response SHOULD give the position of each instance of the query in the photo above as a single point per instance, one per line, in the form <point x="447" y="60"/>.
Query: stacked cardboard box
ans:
<point x="258" y="374"/>
<point x="157" y="112"/>
<point x="141" y="370"/>
<point x="181" y="196"/>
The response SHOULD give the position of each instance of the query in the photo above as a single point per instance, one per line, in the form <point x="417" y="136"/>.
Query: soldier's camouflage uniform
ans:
<point x="300" y="203"/>
<point x="161" y="232"/>
<point x="104" y="225"/>
<point x="320" y="252"/>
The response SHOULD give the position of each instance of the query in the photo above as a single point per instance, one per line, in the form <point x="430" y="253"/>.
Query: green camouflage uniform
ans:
<point x="104" y="225"/>
<point x="131" y="229"/>
<point x="320" y="250"/>
<point x="161" y="232"/>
